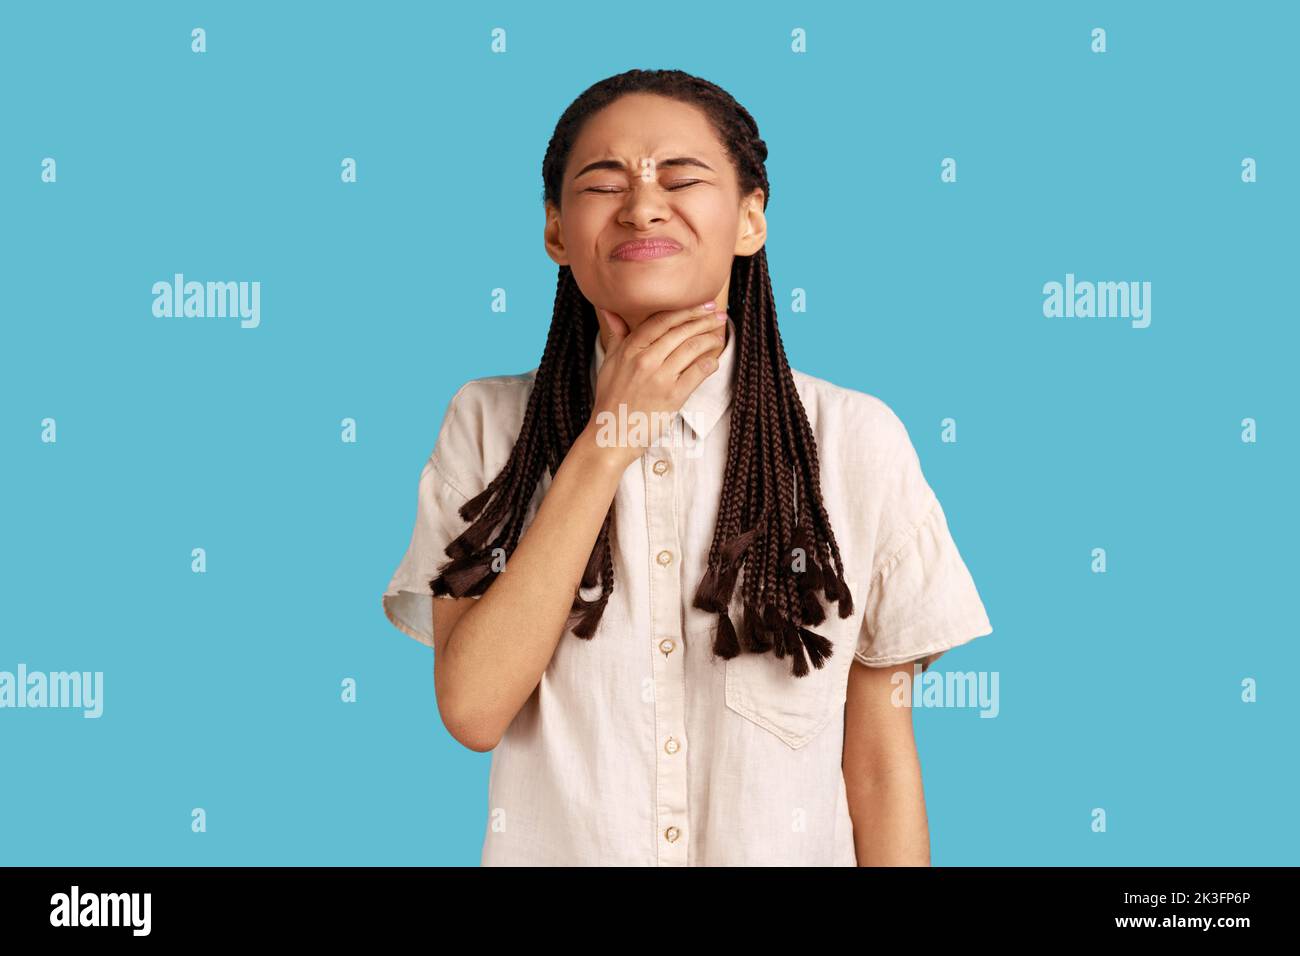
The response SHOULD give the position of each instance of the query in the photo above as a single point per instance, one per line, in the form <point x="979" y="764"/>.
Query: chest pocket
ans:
<point x="762" y="689"/>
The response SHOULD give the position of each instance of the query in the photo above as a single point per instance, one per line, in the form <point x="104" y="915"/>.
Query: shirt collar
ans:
<point x="704" y="406"/>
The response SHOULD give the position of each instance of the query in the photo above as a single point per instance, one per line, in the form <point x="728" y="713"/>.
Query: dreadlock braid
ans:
<point x="772" y="521"/>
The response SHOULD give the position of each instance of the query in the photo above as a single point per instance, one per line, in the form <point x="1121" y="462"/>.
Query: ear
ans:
<point x="752" y="231"/>
<point x="551" y="238"/>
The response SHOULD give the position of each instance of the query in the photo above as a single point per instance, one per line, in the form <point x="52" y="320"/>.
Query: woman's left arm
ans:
<point x="882" y="773"/>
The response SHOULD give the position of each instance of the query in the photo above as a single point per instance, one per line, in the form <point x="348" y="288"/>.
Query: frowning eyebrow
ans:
<point x="616" y="164"/>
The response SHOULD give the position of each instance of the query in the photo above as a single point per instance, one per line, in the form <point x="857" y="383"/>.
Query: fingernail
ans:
<point x="709" y="306"/>
<point x="720" y="316"/>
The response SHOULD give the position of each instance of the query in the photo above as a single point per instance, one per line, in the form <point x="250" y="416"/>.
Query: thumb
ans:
<point x="618" y="329"/>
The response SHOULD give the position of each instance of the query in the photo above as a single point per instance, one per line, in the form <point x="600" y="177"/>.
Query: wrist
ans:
<point x="612" y="459"/>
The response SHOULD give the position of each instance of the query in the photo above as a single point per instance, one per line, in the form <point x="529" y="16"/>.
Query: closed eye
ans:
<point x="613" y="189"/>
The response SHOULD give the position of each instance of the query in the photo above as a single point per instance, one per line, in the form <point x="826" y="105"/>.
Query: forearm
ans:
<point x="888" y="810"/>
<point x="500" y="647"/>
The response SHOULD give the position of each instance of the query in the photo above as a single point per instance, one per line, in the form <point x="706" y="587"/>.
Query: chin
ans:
<point x="649" y="290"/>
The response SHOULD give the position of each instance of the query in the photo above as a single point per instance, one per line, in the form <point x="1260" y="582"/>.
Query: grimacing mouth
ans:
<point x="681" y="246"/>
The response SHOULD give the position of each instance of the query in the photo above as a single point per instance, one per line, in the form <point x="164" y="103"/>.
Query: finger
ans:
<point x="707" y="329"/>
<point x="617" y="327"/>
<point x="657" y="324"/>
<point x="695" y="373"/>
<point x="709" y="342"/>
<point x="687" y="322"/>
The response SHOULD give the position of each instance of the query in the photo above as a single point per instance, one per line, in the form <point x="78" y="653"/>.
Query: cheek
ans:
<point x="574" y="237"/>
<point x="720" y="248"/>
<point x="578" y="230"/>
<point x="716" y="226"/>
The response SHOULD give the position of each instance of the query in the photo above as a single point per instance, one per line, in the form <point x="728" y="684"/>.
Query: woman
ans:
<point x="682" y="574"/>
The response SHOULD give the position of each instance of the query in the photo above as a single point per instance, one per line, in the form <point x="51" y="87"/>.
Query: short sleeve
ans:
<point x="408" y="601"/>
<point x="922" y="599"/>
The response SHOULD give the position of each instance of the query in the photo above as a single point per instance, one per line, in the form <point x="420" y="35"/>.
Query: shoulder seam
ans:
<point x="434" y="460"/>
<point x="911" y="533"/>
<point x="442" y="473"/>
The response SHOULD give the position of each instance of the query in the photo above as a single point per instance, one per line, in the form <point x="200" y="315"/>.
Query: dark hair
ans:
<point x="758" y="525"/>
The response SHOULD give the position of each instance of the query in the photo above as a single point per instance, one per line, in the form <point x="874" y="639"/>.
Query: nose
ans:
<point x="646" y="204"/>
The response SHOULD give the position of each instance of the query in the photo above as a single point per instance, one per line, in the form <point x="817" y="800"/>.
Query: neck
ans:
<point x="604" y="336"/>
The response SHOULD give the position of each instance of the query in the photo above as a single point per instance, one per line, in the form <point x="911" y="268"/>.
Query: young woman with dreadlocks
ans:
<point x="667" y="578"/>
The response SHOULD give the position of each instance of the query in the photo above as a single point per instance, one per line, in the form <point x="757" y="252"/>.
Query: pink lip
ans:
<point x="639" y="249"/>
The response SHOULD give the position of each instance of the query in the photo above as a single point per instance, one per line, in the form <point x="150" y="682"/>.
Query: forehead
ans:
<point x="640" y="125"/>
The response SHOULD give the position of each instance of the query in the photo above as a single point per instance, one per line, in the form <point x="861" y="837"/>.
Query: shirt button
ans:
<point x="671" y="834"/>
<point x="660" y="466"/>
<point x="672" y="746"/>
<point x="664" y="557"/>
<point x="667" y="645"/>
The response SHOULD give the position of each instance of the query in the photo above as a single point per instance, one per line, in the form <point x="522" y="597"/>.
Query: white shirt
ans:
<point x="638" y="748"/>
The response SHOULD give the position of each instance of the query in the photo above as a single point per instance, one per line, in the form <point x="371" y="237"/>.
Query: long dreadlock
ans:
<point x="763" y="526"/>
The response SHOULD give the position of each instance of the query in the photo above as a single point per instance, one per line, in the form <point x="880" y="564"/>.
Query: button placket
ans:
<point x="669" y="665"/>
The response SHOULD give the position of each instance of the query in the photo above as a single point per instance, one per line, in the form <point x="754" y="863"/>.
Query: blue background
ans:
<point x="1118" y="690"/>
